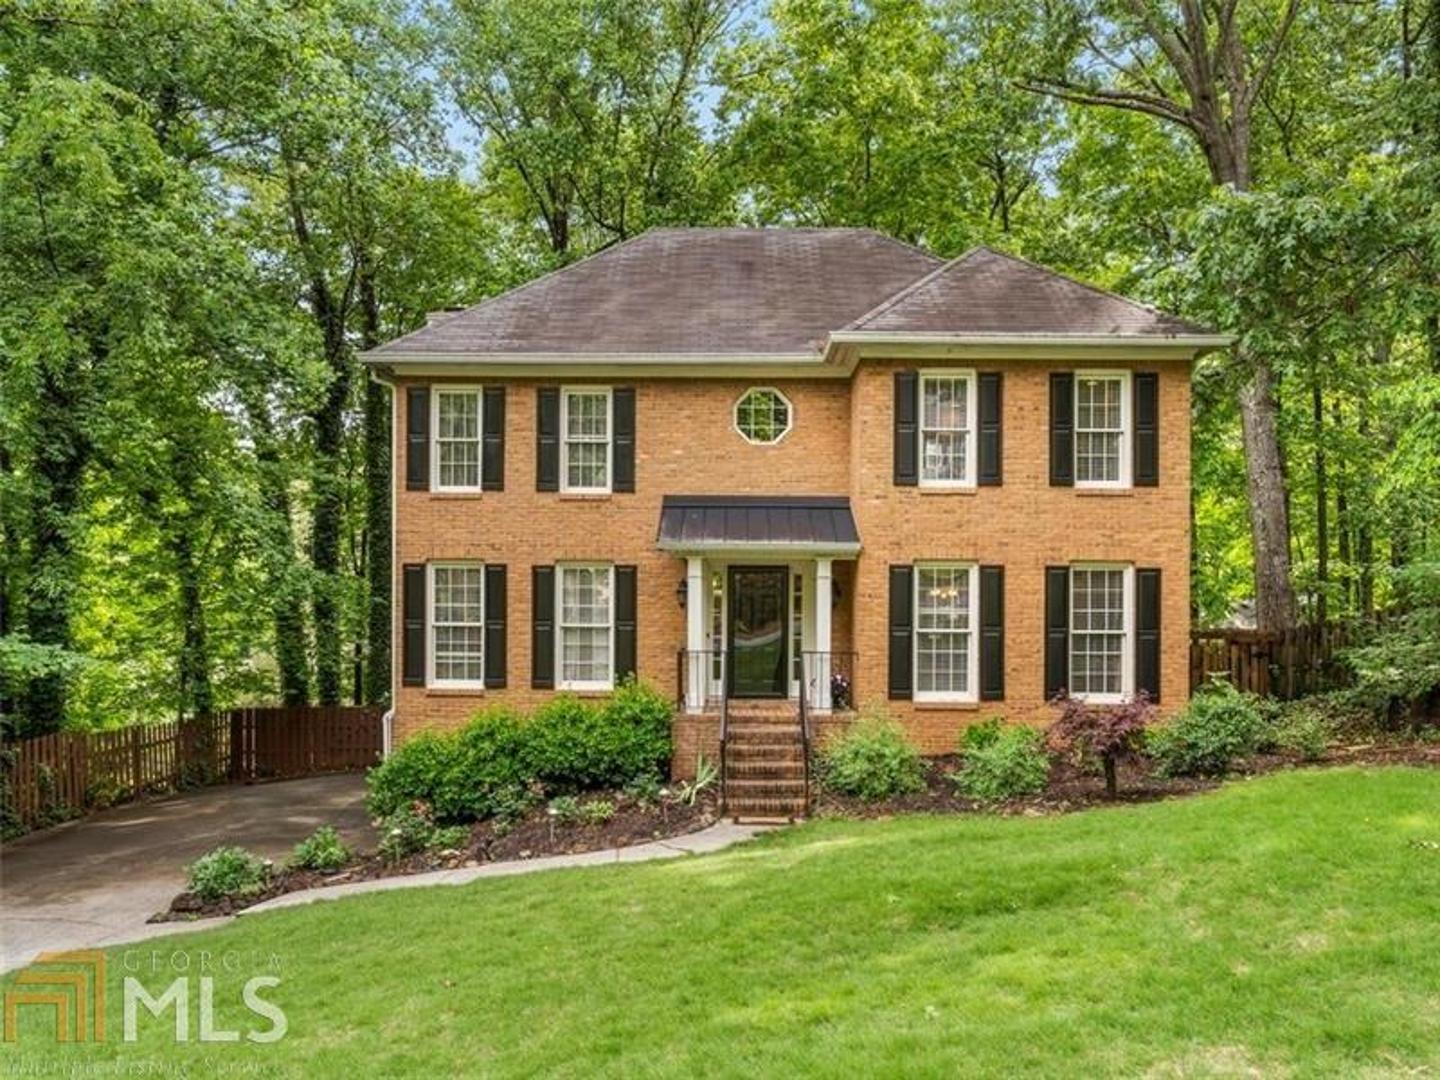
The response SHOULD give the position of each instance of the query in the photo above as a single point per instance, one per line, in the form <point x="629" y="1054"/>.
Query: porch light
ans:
<point x="682" y="591"/>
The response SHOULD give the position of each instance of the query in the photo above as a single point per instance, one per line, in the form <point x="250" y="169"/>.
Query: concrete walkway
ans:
<point x="95" y="882"/>
<point x="714" y="838"/>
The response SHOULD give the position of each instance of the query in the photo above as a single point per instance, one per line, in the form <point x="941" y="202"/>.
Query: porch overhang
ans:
<point x="758" y="525"/>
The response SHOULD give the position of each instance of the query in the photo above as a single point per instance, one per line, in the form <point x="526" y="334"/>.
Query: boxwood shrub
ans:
<point x="1217" y="726"/>
<point x="500" y="760"/>
<point x="873" y="760"/>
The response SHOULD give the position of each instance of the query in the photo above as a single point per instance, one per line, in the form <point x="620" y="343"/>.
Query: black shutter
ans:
<point x="623" y="404"/>
<point x="495" y="634"/>
<point x="624" y="622"/>
<point x="492" y="461"/>
<point x="542" y="628"/>
<point x="991" y="470"/>
<point x="1147" y="632"/>
<point x="1062" y="429"/>
<point x="992" y="633"/>
<point x="907" y="428"/>
<point x="547" y="439"/>
<point x="1147" y="429"/>
<point x="417" y="438"/>
<point x="413" y="638"/>
<point x="902" y="597"/>
<point x="1057" y="630"/>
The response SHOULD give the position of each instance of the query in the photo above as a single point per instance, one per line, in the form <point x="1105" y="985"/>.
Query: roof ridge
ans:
<point x="894" y="300"/>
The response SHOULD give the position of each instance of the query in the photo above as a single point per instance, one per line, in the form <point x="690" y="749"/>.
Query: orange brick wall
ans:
<point x="841" y="443"/>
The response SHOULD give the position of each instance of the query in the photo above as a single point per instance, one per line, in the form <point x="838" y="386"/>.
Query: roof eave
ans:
<point x="760" y="547"/>
<point x="1040" y="346"/>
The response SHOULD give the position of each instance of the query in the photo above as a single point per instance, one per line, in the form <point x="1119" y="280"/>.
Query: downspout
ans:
<point x="384" y="376"/>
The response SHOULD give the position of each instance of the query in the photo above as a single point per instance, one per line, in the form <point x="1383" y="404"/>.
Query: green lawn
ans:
<point x="1283" y="926"/>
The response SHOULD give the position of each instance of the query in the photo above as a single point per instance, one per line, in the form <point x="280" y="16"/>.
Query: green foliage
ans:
<point x="1398" y="663"/>
<point x="873" y="760"/>
<point x="1304" y="731"/>
<point x="227" y="872"/>
<point x="1008" y="765"/>
<point x="322" y="850"/>
<point x="1217" y="726"/>
<point x="497" y="762"/>
<point x="570" y="810"/>
<point x="412" y="829"/>
<point x="981" y="734"/>
<point x="707" y="776"/>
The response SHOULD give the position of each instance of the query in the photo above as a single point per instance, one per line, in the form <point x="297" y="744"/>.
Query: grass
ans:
<point x="1280" y="926"/>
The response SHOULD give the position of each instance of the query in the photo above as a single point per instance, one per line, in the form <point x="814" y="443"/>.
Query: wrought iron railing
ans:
<point x="827" y="684"/>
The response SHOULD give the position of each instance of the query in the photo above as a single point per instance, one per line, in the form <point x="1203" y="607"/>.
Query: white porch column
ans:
<point x="822" y="663"/>
<point x="697" y="662"/>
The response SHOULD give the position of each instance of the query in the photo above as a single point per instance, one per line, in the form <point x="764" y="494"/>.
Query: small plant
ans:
<point x="707" y="775"/>
<point x="597" y="811"/>
<point x="1219" y="725"/>
<point x="872" y="761"/>
<point x="565" y="809"/>
<point x="840" y="691"/>
<point x="1298" y="727"/>
<point x="228" y="872"/>
<point x="322" y="850"/>
<point x="412" y="829"/>
<point x="1103" y="733"/>
<point x="1008" y="766"/>
<point x="644" y="790"/>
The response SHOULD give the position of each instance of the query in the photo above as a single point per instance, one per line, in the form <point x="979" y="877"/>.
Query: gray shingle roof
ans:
<point x="672" y="293"/>
<point x="987" y="292"/>
<point x="687" y="291"/>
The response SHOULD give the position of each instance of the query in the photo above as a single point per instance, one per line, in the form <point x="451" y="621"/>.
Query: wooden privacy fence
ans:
<point x="1282" y="663"/>
<point x="60" y="776"/>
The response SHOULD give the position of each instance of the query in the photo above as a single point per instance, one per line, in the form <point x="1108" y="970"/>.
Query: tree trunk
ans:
<point x="1322" y="522"/>
<point x="59" y="467"/>
<point x="376" y="687"/>
<point x="1112" y="785"/>
<point x="196" y="693"/>
<point x="1265" y="485"/>
<point x="1342" y="522"/>
<point x="329" y="520"/>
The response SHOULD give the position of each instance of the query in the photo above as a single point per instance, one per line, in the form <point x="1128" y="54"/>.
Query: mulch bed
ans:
<point x="535" y="835"/>
<point x="1071" y="787"/>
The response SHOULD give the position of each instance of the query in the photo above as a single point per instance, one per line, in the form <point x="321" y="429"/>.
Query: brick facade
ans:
<point x="840" y="444"/>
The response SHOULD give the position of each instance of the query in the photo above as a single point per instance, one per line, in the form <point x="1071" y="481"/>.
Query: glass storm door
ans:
<point x="759" y="613"/>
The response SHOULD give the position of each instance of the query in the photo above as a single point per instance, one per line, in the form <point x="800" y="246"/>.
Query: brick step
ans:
<point x="741" y="790"/>
<point x="756" y="735"/>
<point x="793" y="769"/>
<point x="785" y="750"/>
<point x="756" y="809"/>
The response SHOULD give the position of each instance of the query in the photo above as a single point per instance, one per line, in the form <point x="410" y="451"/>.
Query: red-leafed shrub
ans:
<point x="1106" y="733"/>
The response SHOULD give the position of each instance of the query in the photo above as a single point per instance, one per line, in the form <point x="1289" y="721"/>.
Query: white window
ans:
<point x="1101" y="618"/>
<point x="455" y="420"/>
<point x="947" y="429"/>
<point x="763" y="415"/>
<point x="457" y="625"/>
<point x="947" y="662"/>
<point x="1102" y="429"/>
<point x="585" y="438"/>
<point x="587" y="625"/>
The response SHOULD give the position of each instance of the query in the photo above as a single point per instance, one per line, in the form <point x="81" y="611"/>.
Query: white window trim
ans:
<point x="789" y="412"/>
<point x="561" y="683"/>
<point x="565" y="441"/>
<point x="972" y="677"/>
<point x="435" y="394"/>
<point x="1127" y="430"/>
<point x="430" y="679"/>
<point x="1127" y="650"/>
<point x="971" y="417"/>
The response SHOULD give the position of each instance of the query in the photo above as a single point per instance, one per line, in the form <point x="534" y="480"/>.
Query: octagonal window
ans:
<point x="763" y="415"/>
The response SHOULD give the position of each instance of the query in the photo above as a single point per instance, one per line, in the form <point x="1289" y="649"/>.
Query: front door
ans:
<point x="758" y="616"/>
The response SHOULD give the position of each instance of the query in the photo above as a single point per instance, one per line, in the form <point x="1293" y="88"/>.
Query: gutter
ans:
<point x="385" y="376"/>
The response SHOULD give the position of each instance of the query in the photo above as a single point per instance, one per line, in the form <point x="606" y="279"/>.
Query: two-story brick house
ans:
<point x="804" y="467"/>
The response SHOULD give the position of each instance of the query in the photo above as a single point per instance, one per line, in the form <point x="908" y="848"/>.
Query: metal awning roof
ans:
<point x="785" y="524"/>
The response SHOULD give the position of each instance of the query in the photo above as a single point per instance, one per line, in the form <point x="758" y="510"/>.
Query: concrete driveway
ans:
<point x="96" y="881"/>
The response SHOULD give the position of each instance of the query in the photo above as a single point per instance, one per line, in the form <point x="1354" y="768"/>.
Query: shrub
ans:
<point x="1103" y="733"/>
<point x="1219" y="725"/>
<point x="1302" y="727"/>
<point x="227" y="872"/>
<point x="1396" y="667"/>
<point x="472" y="773"/>
<point x="574" y="745"/>
<point x="412" y="829"/>
<point x="981" y="734"/>
<point x="322" y="850"/>
<point x="1011" y="764"/>
<point x="597" y="811"/>
<point x="872" y="761"/>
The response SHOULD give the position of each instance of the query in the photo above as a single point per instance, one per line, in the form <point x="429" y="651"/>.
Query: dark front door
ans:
<point x="757" y="631"/>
